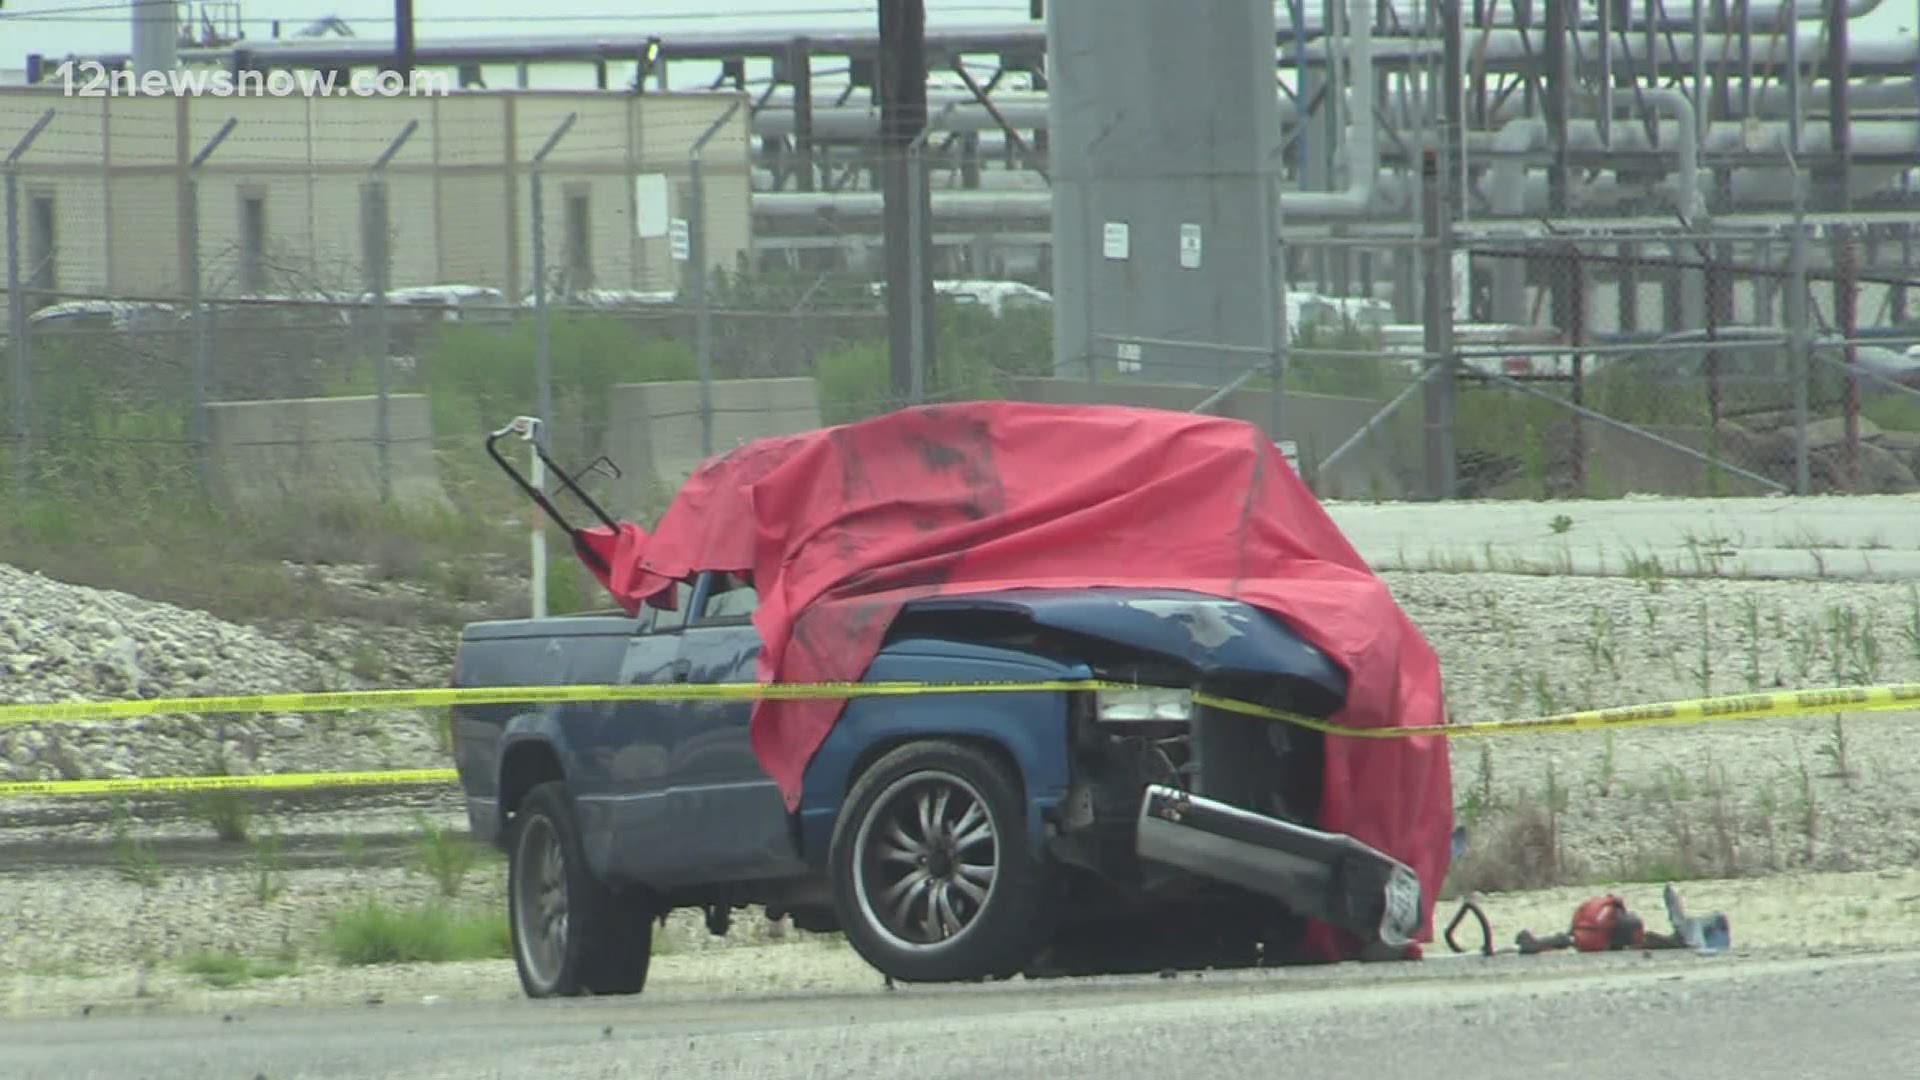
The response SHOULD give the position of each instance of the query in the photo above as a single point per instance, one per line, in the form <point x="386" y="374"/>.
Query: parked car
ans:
<point x="959" y="835"/>
<point x="93" y="316"/>
<point x="1759" y="355"/>
<point x="997" y="297"/>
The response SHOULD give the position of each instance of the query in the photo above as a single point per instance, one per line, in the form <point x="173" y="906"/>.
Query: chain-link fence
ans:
<point x="1681" y="363"/>
<point x="252" y="304"/>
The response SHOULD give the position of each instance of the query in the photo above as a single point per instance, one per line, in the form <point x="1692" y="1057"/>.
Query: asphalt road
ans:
<point x="1667" y="1015"/>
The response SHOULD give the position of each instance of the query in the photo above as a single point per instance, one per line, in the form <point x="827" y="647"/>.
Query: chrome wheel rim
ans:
<point x="926" y="861"/>
<point x="540" y="902"/>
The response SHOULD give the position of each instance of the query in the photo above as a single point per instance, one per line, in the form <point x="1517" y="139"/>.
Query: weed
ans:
<point x="1450" y="563"/>
<point x="1557" y="800"/>
<point x="1750" y="614"/>
<point x="1807" y="807"/>
<point x="1518" y="849"/>
<point x="1834" y="749"/>
<point x="1766" y="808"/>
<point x="1703" y="668"/>
<point x="1562" y="562"/>
<point x="1853" y="646"/>
<point x="133" y="858"/>
<point x="441" y="721"/>
<point x="447" y="857"/>
<point x="1706" y="553"/>
<point x="1602" y="785"/>
<point x="1560" y="524"/>
<point x="367" y="663"/>
<point x="226" y="812"/>
<point x="227" y="969"/>
<point x="462" y="580"/>
<point x="1602" y="642"/>
<point x="1481" y="799"/>
<point x="1678" y="862"/>
<point x="1677" y="787"/>
<point x="372" y="933"/>
<point x="62" y="968"/>
<point x="1545" y="698"/>
<point x="269" y="868"/>
<point x="1516" y="692"/>
<point x="353" y="849"/>
<point x="1721" y="819"/>
<point x="1648" y="571"/>
<point x="1803" y="650"/>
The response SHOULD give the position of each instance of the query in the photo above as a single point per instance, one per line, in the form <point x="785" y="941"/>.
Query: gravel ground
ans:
<point x="61" y="642"/>
<point x="1733" y="797"/>
<point x="92" y="940"/>
<point x="98" y="937"/>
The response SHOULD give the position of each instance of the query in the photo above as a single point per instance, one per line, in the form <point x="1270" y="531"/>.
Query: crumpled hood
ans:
<point x="1219" y="639"/>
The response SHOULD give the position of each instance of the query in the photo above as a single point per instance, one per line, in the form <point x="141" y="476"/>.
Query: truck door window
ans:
<point x="731" y="599"/>
<point x="665" y="620"/>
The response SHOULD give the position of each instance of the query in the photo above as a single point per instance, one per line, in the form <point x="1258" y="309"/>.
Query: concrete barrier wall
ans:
<point x="266" y="452"/>
<point x="319" y="448"/>
<point x="1386" y="466"/>
<point x="653" y="429"/>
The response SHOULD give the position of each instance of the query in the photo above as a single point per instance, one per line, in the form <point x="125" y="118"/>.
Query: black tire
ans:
<point x="909" y="939"/>
<point x="605" y="944"/>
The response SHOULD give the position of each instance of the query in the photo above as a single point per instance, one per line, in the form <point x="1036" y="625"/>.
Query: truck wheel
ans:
<point x="934" y="879"/>
<point x="571" y="934"/>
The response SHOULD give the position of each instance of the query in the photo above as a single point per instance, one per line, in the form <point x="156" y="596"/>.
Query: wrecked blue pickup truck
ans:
<point x="955" y="836"/>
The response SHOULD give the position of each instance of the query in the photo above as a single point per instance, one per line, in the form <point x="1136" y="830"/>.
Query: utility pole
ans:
<point x="403" y="40"/>
<point x="903" y="115"/>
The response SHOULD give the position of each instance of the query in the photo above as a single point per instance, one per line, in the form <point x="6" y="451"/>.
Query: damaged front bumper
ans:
<point x="1325" y="876"/>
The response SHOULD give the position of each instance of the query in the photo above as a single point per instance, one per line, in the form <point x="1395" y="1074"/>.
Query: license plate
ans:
<point x="1402" y="915"/>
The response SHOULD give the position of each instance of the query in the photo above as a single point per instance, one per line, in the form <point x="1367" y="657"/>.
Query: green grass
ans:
<point x="228" y="969"/>
<point x="975" y="359"/>
<point x="1893" y="412"/>
<point x="59" y="968"/>
<point x="133" y="857"/>
<point x="374" y="933"/>
<point x="445" y="856"/>
<point x="118" y="501"/>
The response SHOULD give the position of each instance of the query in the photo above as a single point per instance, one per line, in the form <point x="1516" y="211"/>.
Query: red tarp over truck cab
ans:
<point x="839" y="527"/>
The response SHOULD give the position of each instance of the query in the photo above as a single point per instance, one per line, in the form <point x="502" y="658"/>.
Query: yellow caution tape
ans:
<point x="355" y="700"/>
<point x="1736" y="707"/>
<point x="1785" y="703"/>
<point x="187" y="784"/>
<point x="1840" y="699"/>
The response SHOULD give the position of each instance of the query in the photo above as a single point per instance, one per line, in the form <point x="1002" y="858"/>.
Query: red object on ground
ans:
<point x="1601" y="924"/>
<point x="837" y="528"/>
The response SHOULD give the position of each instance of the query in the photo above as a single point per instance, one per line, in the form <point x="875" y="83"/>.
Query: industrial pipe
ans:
<point x="1524" y="136"/>
<point x="1027" y="110"/>
<point x="1363" y="154"/>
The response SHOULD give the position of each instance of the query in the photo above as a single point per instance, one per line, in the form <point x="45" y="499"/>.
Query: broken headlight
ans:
<point x="1144" y="705"/>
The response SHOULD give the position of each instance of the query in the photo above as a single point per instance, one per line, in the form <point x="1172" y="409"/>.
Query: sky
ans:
<point x="58" y="27"/>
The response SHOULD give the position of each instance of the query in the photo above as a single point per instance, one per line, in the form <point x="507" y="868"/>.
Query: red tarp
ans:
<point x="838" y="528"/>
